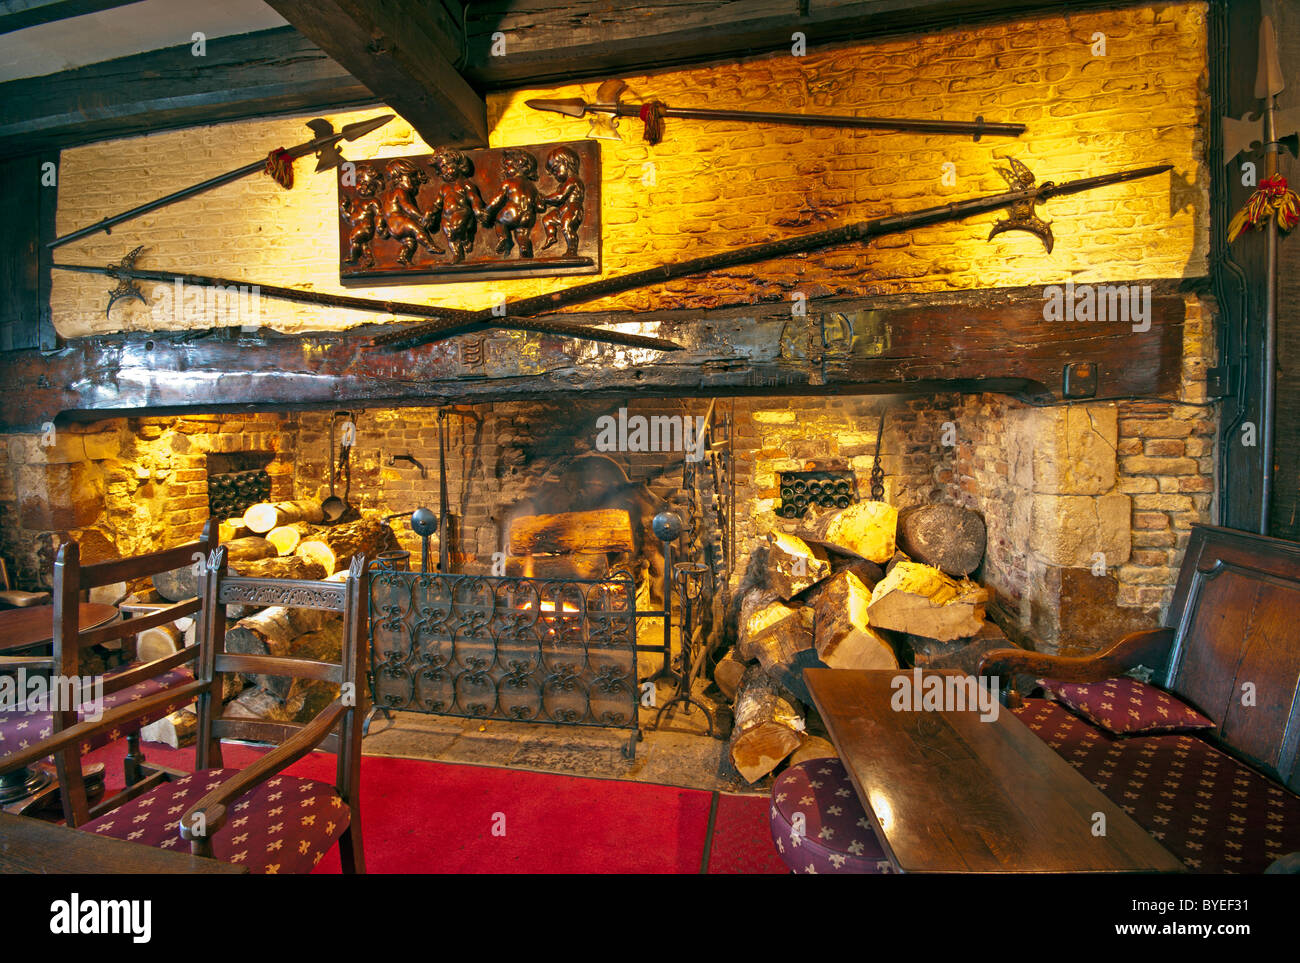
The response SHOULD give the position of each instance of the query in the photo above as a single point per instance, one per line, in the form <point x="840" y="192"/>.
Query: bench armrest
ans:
<point x="1149" y="647"/>
<point x="209" y="814"/>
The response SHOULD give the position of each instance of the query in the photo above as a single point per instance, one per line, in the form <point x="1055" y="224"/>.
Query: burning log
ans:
<point x="334" y="547"/>
<point x="793" y="564"/>
<point x="843" y="634"/>
<point x="580" y="565"/>
<point x="867" y="529"/>
<point x="921" y="600"/>
<point x="286" y="538"/>
<point x="263" y="517"/>
<point x="606" y="530"/>
<point x="766" y="727"/>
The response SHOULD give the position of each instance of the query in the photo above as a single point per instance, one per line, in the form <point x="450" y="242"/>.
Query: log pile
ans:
<point x="840" y="594"/>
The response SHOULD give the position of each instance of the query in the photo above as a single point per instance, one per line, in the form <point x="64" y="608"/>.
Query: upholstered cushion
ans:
<point x="285" y="825"/>
<point x="1214" y="813"/>
<point x="1126" y="706"/>
<point x="837" y="836"/>
<point x="20" y="728"/>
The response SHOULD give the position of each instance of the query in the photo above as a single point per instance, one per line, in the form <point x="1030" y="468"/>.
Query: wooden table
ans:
<point x="31" y="846"/>
<point x="30" y="627"/>
<point x="949" y="793"/>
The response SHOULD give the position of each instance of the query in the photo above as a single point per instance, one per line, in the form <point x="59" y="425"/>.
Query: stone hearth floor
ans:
<point x="679" y="755"/>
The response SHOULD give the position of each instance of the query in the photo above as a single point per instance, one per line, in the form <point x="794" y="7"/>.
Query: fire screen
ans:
<point x="515" y="649"/>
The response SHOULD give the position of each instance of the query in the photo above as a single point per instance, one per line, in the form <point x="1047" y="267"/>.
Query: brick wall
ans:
<point x="720" y="185"/>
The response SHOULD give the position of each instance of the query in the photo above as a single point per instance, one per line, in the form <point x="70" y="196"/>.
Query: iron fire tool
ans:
<point x="1021" y="200"/>
<point x="878" y="473"/>
<point x="653" y="112"/>
<point x="126" y="274"/>
<point x="278" y="165"/>
<point x="1274" y="207"/>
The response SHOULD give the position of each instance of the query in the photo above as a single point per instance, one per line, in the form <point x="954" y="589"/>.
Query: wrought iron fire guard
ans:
<point x="518" y="649"/>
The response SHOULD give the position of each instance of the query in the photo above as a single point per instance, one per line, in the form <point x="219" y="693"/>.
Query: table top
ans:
<point x="32" y="846"/>
<point x="24" y="628"/>
<point x="948" y="792"/>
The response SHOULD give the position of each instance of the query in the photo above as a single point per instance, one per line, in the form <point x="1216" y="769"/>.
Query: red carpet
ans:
<point x="431" y="817"/>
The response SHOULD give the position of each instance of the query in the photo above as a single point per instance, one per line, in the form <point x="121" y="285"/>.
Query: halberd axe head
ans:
<point x="1244" y="134"/>
<point x="327" y="154"/>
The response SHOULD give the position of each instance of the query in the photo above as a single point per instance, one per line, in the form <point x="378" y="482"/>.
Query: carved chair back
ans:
<point x="349" y="599"/>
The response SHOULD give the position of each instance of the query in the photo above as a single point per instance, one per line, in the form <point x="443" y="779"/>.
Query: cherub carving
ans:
<point x="567" y="202"/>
<point x="457" y="203"/>
<point x="516" y="205"/>
<point x="403" y="219"/>
<point x="363" y="217"/>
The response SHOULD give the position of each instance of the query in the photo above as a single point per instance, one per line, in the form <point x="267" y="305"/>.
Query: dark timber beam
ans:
<point x="17" y="14"/>
<point x="405" y="54"/>
<point x="978" y="341"/>
<point x="536" y="42"/>
<point x="253" y="75"/>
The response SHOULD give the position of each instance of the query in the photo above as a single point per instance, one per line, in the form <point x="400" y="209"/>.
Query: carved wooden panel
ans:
<point x="472" y="215"/>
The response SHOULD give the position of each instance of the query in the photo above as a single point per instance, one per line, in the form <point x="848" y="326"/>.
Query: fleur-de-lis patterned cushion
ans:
<point x="19" y="728"/>
<point x="285" y="825"/>
<point x="1214" y="813"/>
<point x="818" y="824"/>
<point x="1127" y="707"/>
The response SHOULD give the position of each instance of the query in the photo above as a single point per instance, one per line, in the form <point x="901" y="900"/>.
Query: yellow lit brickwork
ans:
<point x="716" y="186"/>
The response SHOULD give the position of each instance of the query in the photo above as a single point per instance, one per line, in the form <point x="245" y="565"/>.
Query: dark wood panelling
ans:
<point x="27" y="210"/>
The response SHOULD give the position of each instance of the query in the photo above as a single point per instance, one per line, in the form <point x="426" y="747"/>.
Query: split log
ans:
<point x="814" y="747"/>
<point x="334" y="547"/>
<point x="774" y="634"/>
<point x="265" y="516"/>
<point x="793" y="565"/>
<point x="286" y="538"/>
<point x="179" y="729"/>
<point x="322" y="645"/>
<point x="287" y="566"/>
<point x="920" y="600"/>
<point x="766" y="727"/>
<point x="606" y="530"/>
<point x="183" y="583"/>
<point x="842" y="630"/>
<point x="229" y="529"/>
<point x="273" y="631"/>
<point x="584" y="565"/>
<point x="867" y="529"/>
<point x="948" y="537"/>
<point x="158" y="642"/>
<point x="728" y="672"/>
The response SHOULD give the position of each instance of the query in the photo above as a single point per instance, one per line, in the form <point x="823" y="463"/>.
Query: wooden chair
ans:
<point x="149" y="684"/>
<point x="258" y="817"/>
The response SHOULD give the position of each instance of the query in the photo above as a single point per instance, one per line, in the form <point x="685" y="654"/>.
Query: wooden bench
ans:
<point x="1231" y="650"/>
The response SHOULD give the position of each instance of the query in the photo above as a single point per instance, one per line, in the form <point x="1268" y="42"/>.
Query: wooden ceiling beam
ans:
<point x="18" y="14"/>
<point x="254" y="75"/>
<point x="405" y="53"/>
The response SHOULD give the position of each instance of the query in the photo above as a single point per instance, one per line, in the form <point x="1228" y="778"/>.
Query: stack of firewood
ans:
<point x="271" y="540"/>
<point x="844" y="594"/>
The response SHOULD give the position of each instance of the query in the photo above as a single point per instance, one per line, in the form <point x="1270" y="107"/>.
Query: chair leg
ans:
<point x="351" y="856"/>
<point x="134" y="759"/>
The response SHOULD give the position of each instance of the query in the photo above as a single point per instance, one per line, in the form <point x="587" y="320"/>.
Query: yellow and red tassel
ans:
<point x="1272" y="199"/>
<point x="280" y="166"/>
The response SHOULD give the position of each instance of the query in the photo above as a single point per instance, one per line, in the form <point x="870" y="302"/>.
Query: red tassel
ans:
<point x="280" y="166"/>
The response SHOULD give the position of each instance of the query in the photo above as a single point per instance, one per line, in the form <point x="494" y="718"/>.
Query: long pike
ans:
<point x="324" y="145"/>
<point x="1022" y="218"/>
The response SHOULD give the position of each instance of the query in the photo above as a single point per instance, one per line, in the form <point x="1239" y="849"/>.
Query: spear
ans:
<point x="126" y="274"/>
<point x="278" y="164"/>
<point x="651" y="112"/>
<point x="1021" y="201"/>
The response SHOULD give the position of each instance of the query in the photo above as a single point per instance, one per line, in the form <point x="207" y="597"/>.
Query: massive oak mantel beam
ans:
<point x="405" y="54"/>
<point x="979" y="341"/>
